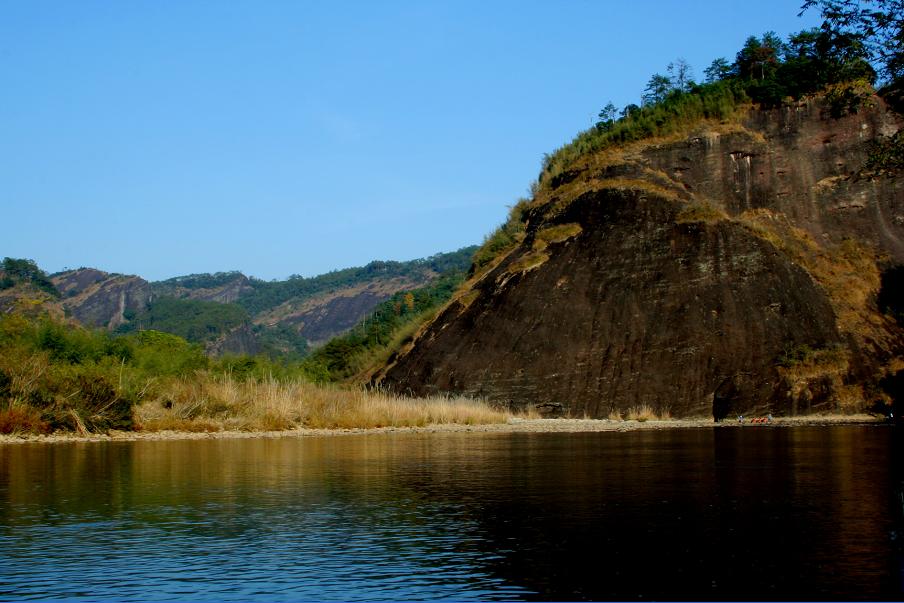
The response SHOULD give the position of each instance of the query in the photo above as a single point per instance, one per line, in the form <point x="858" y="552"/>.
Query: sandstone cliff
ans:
<point x="327" y="315"/>
<point x="232" y="287"/>
<point x="101" y="299"/>
<point x="733" y="269"/>
<point x="239" y="341"/>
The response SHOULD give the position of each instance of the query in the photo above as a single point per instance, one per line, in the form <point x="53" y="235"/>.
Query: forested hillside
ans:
<point x="226" y="312"/>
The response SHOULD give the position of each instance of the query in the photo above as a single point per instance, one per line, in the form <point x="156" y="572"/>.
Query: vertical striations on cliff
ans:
<point x="731" y="269"/>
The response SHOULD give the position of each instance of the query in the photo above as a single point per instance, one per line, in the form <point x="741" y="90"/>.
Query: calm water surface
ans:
<point x="705" y="513"/>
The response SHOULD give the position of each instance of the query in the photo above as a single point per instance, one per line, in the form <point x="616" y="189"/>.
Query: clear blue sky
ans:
<point x="168" y="137"/>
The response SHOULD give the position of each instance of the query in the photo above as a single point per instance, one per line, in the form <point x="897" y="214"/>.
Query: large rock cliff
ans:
<point x="101" y="299"/>
<point x="230" y="290"/>
<point x="733" y="269"/>
<point x="322" y="317"/>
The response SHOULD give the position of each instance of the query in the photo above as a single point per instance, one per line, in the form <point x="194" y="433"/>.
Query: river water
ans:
<point x="753" y="512"/>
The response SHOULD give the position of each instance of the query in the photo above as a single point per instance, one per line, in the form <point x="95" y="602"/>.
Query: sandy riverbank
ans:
<point x="515" y="425"/>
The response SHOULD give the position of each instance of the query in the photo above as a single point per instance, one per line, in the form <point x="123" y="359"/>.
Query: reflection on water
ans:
<point x="766" y="513"/>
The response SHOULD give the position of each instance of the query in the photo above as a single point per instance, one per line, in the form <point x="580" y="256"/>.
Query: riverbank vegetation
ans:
<point x="195" y="320"/>
<point x="219" y="402"/>
<point x="58" y="376"/>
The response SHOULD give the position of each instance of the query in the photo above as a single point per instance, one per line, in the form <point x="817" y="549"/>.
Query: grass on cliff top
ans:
<point x="506" y="237"/>
<point x="700" y="211"/>
<point x="720" y="100"/>
<point x="676" y="114"/>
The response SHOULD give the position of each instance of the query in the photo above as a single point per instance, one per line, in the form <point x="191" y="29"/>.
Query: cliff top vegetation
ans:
<point x="843" y="58"/>
<point x="859" y="45"/>
<point x="15" y="271"/>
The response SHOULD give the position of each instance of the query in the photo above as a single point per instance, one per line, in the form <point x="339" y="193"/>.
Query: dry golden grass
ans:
<point x="615" y="415"/>
<point x="528" y="262"/>
<point x="700" y="211"/>
<point x="204" y="403"/>
<point x="555" y="234"/>
<point x="848" y="272"/>
<point x="645" y="412"/>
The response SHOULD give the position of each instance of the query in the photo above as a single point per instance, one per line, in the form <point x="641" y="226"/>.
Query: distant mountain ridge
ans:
<point x="227" y="312"/>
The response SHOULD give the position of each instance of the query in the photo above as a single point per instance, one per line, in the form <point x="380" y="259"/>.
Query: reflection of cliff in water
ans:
<point x="759" y="512"/>
<point x="720" y="513"/>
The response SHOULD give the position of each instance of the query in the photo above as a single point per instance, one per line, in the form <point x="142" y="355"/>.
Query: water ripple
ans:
<point x="451" y="517"/>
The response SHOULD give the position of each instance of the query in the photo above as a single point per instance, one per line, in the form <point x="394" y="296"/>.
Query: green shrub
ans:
<point x="72" y="345"/>
<point x="887" y="154"/>
<point x="504" y="238"/>
<point x="195" y="320"/>
<point x="158" y="353"/>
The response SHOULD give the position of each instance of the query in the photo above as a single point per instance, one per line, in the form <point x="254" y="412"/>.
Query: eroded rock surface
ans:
<point x="101" y="299"/>
<point x="733" y="271"/>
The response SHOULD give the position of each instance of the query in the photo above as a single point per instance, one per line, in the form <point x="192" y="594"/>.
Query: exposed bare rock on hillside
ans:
<point x="731" y="270"/>
<point x="237" y="342"/>
<point x="225" y="293"/>
<point x="101" y="299"/>
<point x="324" y="316"/>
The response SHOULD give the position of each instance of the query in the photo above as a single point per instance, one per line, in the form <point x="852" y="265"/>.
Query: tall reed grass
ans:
<point x="645" y="412"/>
<point x="215" y="403"/>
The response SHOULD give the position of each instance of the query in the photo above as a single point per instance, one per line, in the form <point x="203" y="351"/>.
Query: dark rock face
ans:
<point x="801" y="163"/>
<point x="745" y="308"/>
<point x="634" y="310"/>
<point x="237" y="342"/>
<point x="322" y="317"/>
<point x="335" y="316"/>
<point x="75" y="282"/>
<point x="226" y="293"/>
<point x="100" y="299"/>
